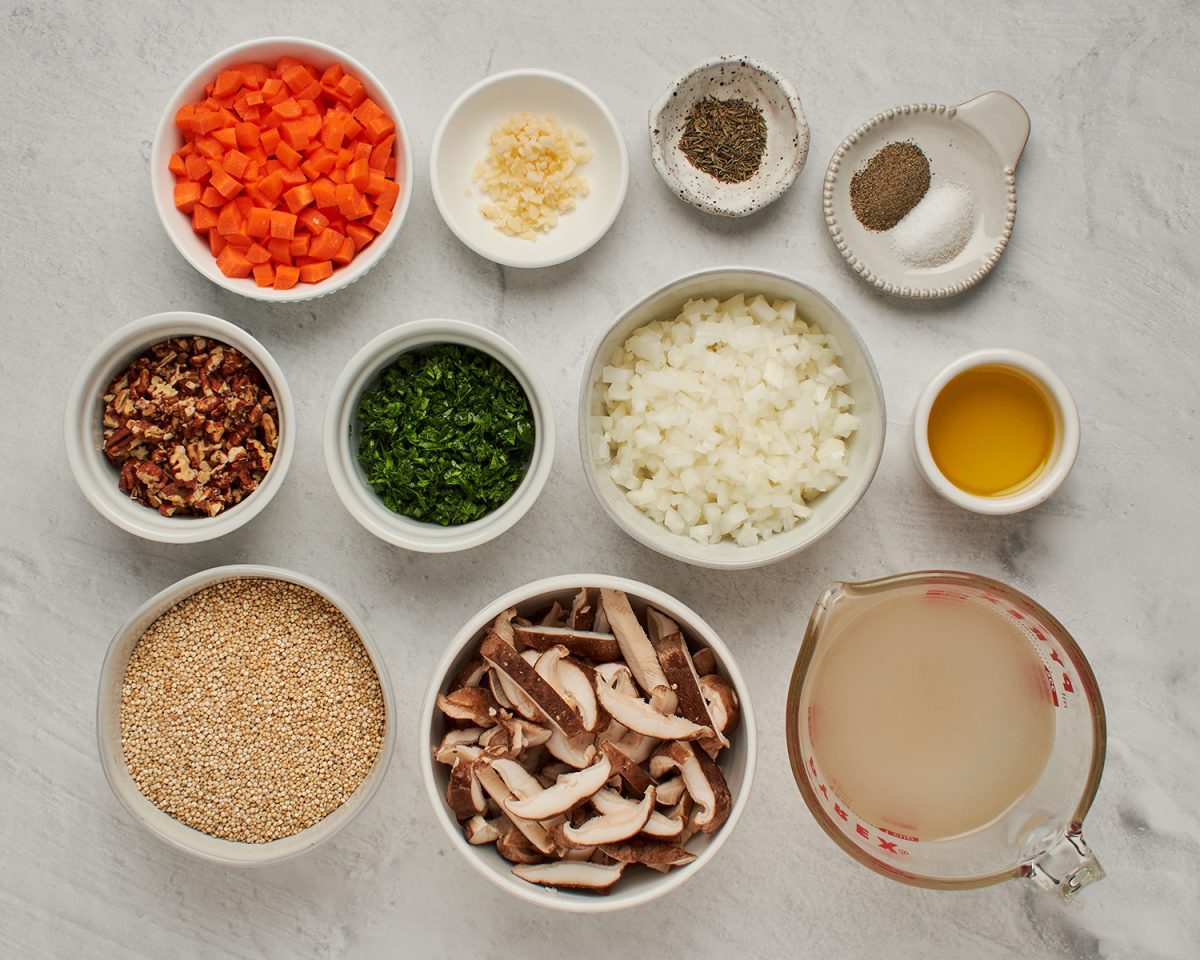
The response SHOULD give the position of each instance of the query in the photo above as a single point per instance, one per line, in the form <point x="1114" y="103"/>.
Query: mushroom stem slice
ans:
<point x="568" y="790"/>
<point x="571" y="875"/>
<point x="534" y="832"/>
<point x="703" y="780"/>
<point x="659" y="625"/>
<point x="520" y="781"/>
<point x="637" y="650"/>
<point x="657" y="824"/>
<point x="446" y="752"/>
<point x="463" y="792"/>
<point x="642" y="717"/>
<point x="576" y="752"/>
<point x="609" y="827"/>
<point x="480" y="831"/>
<point x="601" y="647"/>
<point x="504" y="658"/>
<point x="670" y="791"/>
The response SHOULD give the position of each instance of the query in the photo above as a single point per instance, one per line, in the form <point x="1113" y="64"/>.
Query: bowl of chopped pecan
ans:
<point x="179" y="427"/>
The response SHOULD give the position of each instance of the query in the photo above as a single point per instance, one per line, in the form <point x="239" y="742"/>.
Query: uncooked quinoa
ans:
<point x="251" y="710"/>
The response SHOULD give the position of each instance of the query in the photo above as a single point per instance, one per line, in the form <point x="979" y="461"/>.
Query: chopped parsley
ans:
<point x="446" y="435"/>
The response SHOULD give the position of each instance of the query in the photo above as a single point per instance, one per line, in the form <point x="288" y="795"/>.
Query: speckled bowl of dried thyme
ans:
<point x="245" y="715"/>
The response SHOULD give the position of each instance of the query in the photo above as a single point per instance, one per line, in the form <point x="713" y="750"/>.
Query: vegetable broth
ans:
<point x="991" y="431"/>
<point x="930" y="717"/>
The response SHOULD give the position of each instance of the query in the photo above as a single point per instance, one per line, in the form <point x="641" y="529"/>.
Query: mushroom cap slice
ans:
<point x="703" y="779"/>
<point x="520" y="781"/>
<point x="609" y="827"/>
<point x="642" y="717"/>
<point x="657" y="824"/>
<point x="705" y="661"/>
<point x="677" y="664"/>
<point x="496" y="788"/>
<point x="577" y="752"/>
<point x="553" y="616"/>
<point x="601" y="647"/>
<point x="652" y="853"/>
<point x="504" y="657"/>
<point x="572" y="875"/>
<point x="470" y="674"/>
<point x="637" y="650"/>
<point x="573" y="682"/>
<point x="502" y="625"/>
<point x="472" y="704"/>
<point x="671" y="790"/>
<point x="634" y="776"/>
<point x="659" y="625"/>
<point x="447" y="751"/>
<point x="568" y="790"/>
<point x="515" y="847"/>
<point x="583" y="611"/>
<point x="463" y="793"/>
<point x="722" y="703"/>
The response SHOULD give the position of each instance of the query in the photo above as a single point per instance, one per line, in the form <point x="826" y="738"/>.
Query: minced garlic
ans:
<point x="529" y="173"/>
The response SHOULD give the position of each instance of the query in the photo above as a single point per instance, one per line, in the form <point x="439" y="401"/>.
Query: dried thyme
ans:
<point x="724" y="138"/>
<point x="446" y="436"/>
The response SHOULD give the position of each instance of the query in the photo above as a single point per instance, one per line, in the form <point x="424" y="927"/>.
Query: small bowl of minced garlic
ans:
<point x="729" y="136"/>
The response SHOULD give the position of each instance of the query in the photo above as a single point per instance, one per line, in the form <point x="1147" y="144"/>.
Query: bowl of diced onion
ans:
<point x="730" y="418"/>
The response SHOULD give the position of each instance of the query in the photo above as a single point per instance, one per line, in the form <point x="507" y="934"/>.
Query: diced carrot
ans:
<point x="286" y="277"/>
<point x="228" y="82"/>
<point x="353" y="128"/>
<point x="331" y="76"/>
<point x="269" y="140"/>
<point x="380" y="219"/>
<point x="226" y="184"/>
<point x="206" y="121"/>
<point x="233" y="264"/>
<point x="366" y="110"/>
<point x="274" y="90"/>
<point x="381" y="152"/>
<point x="314" y="221"/>
<point x="349" y="91"/>
<point x="322" y="159"/>
<point x="333" y="132"/>
<point x="298" y="197"/>
<point x="347" y="199"/>
<point x="376" y="184"/>
<point x="240" y="240"/>
<point x="228" y="222"/>
<point x="346" y="252"/>
<point x="289" y="157"/>
<point x="308" y="97"/>
<point x="243" y="205"/>
<point x="294" y="133"/>
<point x="344" y="157"/>
<point x="258" y="223"/>
<point x="362" y="151"/>
<point x="196" y="167"/>
<point x="296" y="77"/>
<point x="288" y="109"/>
<point x="338" y="174"/>
<point x="185" y="118"/>
<point x="212" y="198"/>
<point x="299" y="245"/>
<point x="203" y="218"/>
<point x="210" y="148"/>
<point x="326" y="245"/>
<point x="376" y="128"/>
<point x="246" y="134"/>
<point x="389" y="168"/>
<point x="257" y="253"/>
<point x="292" y="178"/>
<point x="358" y="174"/>
<point x="226" y="137"/>
<point x="316" y="272"/>
<point x="271" y="187"/>
<point x="283" y="225"/>
<point x="235" y="163"/>
<point x="325" y="193"/>
<point x="216" y="242"/>
<point x="177" y="165"/>
<point x="388" y="195"/>
<point x="280" y="250"/>
<point x="264" y="274"/>
<point x="360" y="235"/>
<point x="187" y="193"/>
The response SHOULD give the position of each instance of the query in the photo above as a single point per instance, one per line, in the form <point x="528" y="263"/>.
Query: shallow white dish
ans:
<point x="976" y="144"/>
<point x="639" y="886"/>
<point x="167" y="139"/>
<point x="461" y="142"/>
<point x="341" y="437"/>
<point x="864" y="448"/>
<point x="730" y="78"/>
<point x="162" y="825"/>
<point x="84" y="432"/>
<point x="1066" y="432"/>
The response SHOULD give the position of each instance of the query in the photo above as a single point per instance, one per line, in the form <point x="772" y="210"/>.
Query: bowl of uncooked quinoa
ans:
<point x="245" y="715"/>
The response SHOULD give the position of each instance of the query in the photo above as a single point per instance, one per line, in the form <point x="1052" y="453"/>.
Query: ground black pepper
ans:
<point x="892" y="183"/>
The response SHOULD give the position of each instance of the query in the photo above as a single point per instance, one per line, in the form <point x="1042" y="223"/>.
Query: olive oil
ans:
<point x="991" y="431"/>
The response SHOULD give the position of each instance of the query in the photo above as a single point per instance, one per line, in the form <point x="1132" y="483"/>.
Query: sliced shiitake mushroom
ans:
<point x="568" y="791"/>
<point x="504" y="657"/>
<point x="472" y="705"/>
<point x="569" y="875"/>
<point x="637" y="779"/>
<point x="703" y="779"/>
<point x="638" y="651"/>
<point x="622" y="823"/>
<point x="601" y="647"/>
<point x="652" y="853"/>
<point x="644" y="718"/>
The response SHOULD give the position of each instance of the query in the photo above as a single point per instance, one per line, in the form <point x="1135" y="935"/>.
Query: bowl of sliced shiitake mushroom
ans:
<point x="590" y="743"/>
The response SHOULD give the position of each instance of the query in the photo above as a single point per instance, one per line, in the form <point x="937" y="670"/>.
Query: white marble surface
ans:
<point x="1100" y="281"/>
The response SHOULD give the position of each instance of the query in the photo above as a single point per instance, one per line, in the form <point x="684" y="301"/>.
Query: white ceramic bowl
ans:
<point x="167" y="139"/>
<point x="638" y="886"/>
<point x="975" y="144"/>
<point x="84" y="431"/>
<point x="342" y="437"/>
<point x="730" y="78"/>
<point x="864" y="448"/>
<point x="1066" y="432"/>
<point x="162" y="825"/>
<point x="461" y="142"/>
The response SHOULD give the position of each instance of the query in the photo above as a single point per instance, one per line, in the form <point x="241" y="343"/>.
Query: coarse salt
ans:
<point x="937" y="229"/>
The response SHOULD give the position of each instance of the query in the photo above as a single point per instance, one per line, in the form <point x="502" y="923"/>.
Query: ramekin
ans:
<point x="84" y="431"/>
<point x="341" y="437"/>
<point x="1066" y="433"/>
<point x="639" y="886"/>
<point x="167" y="139"/>
<point x="162" y="825"/>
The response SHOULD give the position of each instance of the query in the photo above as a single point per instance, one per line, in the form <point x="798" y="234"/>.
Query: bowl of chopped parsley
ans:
<point x="439" y="436"/>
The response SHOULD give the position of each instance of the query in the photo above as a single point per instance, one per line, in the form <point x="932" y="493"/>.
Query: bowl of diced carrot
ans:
<point x="281" y="169"/>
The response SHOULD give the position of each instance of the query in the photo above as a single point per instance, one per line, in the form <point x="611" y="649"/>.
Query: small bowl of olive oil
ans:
<point x="996" y="431"/>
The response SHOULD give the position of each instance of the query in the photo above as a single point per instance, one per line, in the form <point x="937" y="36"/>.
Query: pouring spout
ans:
<point x="1067" y="867"/>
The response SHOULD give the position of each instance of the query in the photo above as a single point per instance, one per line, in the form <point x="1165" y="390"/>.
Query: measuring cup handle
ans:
<point x="1067" y="867"/>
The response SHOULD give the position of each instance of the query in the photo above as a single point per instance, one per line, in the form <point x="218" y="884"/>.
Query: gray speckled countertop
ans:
<point x="1101" y="281"/>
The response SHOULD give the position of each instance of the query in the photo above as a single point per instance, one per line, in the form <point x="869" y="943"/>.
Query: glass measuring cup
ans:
<point x="1038" y="836"/>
